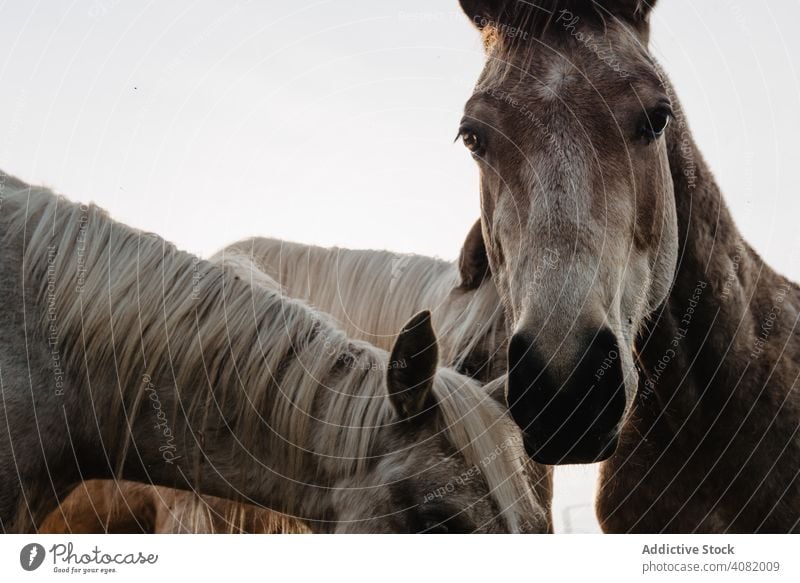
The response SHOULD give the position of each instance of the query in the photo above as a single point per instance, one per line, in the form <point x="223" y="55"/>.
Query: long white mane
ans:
<point x="285" y="380"/>
<point x="371" y="294"/>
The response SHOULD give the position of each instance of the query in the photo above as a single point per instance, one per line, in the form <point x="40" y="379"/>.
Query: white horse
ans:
<point x="464" y="305"/>
<point x="124" y="357"/>
<point x="372" y="293"/>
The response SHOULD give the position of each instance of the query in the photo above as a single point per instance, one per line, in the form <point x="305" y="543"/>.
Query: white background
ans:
<point x="332" y="121"/>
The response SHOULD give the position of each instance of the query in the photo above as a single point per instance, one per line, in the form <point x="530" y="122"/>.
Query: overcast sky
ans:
<point x="332" y="122"/>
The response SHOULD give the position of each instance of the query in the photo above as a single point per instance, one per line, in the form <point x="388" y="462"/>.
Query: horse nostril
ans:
<point x="518" y="346"/>
<point x="525" y="369"/>
<point x="567" y="407"/>
<point x="602" y="374"/>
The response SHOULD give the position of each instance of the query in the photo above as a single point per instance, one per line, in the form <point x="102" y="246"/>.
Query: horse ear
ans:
<point x="473" y="263"/>
<point x="636" y="11"/>
<point x="412" y="367"/>
<point x="483" y="12"/>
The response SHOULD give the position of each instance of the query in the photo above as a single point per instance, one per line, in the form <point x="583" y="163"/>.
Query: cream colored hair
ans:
<point x="130" y="304"/>
<point x="371" y="294"/>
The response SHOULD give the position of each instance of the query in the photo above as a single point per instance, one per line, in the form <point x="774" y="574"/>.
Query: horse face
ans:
<point x="449" y="461"/>
<point x="429" y="488"/>
<point x="566" y="125"/>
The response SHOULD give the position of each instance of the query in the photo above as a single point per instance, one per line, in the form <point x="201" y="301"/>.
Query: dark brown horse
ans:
<point x="646" y="332"/>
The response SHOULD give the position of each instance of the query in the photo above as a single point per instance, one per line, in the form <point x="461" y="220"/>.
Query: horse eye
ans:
<point x="655" y="122"/>
<point x="471" y="140"/>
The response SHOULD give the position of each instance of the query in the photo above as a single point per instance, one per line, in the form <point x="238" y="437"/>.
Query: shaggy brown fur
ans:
<point x="713" y="444"/>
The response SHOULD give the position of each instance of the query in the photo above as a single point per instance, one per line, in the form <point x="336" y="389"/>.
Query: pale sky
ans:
<point x="332" y="122"/>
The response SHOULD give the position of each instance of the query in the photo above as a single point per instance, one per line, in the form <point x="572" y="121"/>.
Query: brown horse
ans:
<point x="661" y="342"/>
<point x="122" y="507"/>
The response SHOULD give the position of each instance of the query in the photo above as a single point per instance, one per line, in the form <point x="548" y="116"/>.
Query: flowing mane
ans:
<point x="136" y="318"/>
<point x="370" y="294"/>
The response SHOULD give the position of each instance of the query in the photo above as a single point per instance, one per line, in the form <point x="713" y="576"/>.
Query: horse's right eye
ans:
<point x="472" y="140"/>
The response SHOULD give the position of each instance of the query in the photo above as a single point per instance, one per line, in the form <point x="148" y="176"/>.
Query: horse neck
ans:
<point x="364" y="291"/>
<point x="723" y="292"/>
<point x="470" y="324"/>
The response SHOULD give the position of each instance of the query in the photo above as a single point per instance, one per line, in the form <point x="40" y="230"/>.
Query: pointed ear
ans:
<point x="483" y="12"/>
<point x="412" y="367"/>
<point x="473" y="263"/>
<point x="640" y="9"/>
<point x="635" y="11"/>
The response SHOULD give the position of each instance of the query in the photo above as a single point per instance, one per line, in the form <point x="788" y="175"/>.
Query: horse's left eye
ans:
<point x="655" y="122"/>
